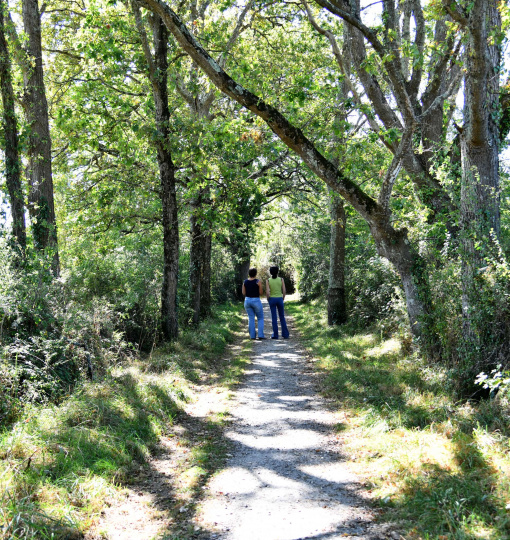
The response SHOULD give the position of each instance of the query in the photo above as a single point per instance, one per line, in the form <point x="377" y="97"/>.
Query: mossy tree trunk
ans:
<point x="479" y="142"/>
<point x="158" y="74"/>
<point x="41" y="203"/>
<point x="10" y="124"/>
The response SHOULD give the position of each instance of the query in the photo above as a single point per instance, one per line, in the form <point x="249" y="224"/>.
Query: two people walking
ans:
<point x="275" y="293"/>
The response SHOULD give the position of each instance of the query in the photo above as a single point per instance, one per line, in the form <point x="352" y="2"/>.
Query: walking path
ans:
<point x="286" y="479"/>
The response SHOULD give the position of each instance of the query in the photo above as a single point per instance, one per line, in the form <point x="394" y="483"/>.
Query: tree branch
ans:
<point x="339" y="60"/>
<point x="414" y="83"/>
<point x="145" y="42"/>
<point x="389" y="57"/>
<point x="394" y="169"/>
<point x="456" y="12"/>
<point x="20" y="54"/>
<point x="290" y="135"/>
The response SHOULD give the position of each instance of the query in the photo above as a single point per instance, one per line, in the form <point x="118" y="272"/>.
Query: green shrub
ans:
<point x="488" y="345"/>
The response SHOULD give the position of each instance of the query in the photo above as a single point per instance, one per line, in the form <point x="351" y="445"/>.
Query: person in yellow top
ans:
<point x="275" y="292"/>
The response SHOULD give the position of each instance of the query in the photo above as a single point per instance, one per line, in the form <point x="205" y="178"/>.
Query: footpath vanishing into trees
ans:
<point x="153" y="151"/>
<point x="175" y="447"/>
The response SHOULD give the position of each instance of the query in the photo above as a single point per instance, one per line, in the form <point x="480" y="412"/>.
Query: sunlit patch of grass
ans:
<point x="59" y="464"/>
<point x="190" y="478"/>
<point x="439" y="468"/>
<point x="198" y="349"/>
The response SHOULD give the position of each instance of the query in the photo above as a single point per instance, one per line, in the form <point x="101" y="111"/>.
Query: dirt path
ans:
<point x="286" y="479"/>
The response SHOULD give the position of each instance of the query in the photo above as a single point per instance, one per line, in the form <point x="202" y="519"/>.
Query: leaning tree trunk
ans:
<point x="480" y="196"/>
<point x="42" y="208"/>
<point x="337" y="310"/>
<point x="391" y="243"/>
<point x="12" y="162"/>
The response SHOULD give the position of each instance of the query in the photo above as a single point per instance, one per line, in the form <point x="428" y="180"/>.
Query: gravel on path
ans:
<point x="286" y="478"/>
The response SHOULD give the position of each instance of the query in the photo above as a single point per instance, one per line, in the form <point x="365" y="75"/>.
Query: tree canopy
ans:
<point x="157" y="149"/>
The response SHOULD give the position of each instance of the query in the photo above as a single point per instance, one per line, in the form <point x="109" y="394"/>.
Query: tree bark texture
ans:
<point x="200" y="260"/>
<point x="410" y="266"/>
<point x="41" y="203"/>
<point x="479" y="141"/>
<point x="195" y="264"/>
<point x="241" y="273"/>
<point x="158" y="76"/>
<point x="205" y="287"/>
<point x="417" y="165"/>
<point x="169" y="317"/>
<point x="391" y="243"/>
<point x="12" y="161"/>
<point x="241" y="254"/>
<point x="337" y="310"/>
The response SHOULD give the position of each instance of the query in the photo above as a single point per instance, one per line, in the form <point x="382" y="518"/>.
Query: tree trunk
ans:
<point x="337" y="310"/>
<point x="196" y="260"/>
<point x="241" y="273"/>
<point x="241" y="253"/>
<point x="42" y="208"/>
<point x="205" y="287"/>
<point x="158" y="68"/>
<point x="169" y="319"/>
<point x="200" y="258"/>
<point x="391" y="243"/>
<point x="480" y="193"/>
<point x="12" y="161"/>
<point x="394" y="245"/>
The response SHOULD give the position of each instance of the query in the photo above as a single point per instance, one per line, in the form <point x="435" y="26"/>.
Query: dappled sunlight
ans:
<point x="437" y="465"/>
<point x="60" y="464"/>
<point x="390" y="346"/>
<point x="286" y="478"/>
<point x="266" y="439"/>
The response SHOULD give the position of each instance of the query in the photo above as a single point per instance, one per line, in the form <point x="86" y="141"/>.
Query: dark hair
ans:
<point x="273" y="271"/>
<point x="252" y="272"/>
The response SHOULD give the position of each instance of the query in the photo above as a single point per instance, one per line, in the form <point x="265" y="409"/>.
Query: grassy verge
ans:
<point x="60" y="464"/>
<point x="438" y="468"/>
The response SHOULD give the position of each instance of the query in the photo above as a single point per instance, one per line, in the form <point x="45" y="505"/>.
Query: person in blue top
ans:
<point x="275" y="292"/>
<point x="252" y="290"/>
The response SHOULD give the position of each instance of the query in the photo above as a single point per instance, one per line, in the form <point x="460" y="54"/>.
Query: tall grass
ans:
<point x="437" y="467"/>
<point x="59" y="464"/>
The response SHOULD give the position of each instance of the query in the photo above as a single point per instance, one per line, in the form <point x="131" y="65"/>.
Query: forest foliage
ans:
<point x="153" y="151"/>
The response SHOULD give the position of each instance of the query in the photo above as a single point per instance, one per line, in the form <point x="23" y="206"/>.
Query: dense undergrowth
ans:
<point x="61" y="462"/>
<point x="438" y="467"/>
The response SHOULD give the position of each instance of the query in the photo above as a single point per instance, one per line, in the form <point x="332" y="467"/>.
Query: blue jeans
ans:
<point x="253" y="306"/>
<point x="277" y="304"/>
